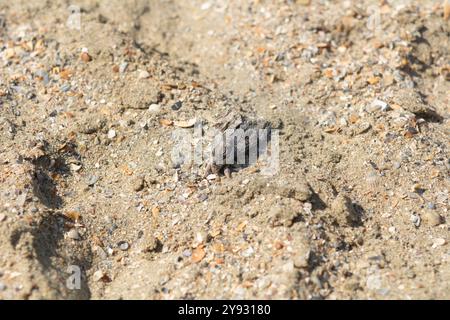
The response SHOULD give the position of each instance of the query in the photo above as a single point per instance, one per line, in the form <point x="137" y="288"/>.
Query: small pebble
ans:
<point x="415" y="219"/>
<point x="373" y="282"/>
<point x="75" y="167"/>
<point x="301" y="259"/>
<point x="205" y="6"/>
<point x="378" y="105"/>
<point x="65" y="87"/>
<point x="202" y="197"/>
<point x="187" y="253"/>
<point x="248" y="252"/>
<point x="91" y="180"/>
<point x="73" y="234"/>
<point x="138" y="184"/>
<point x="363" y="128"/>
<point x="431" y="206"/>
<point x="155" y="108"/>
<point x="438" y="242"/>
<point x="99" y="275"/>
<point x="123" y="67"/>
<point x="177" y="106"/>
<point x="111" y="134"/>
<point x="85" y="57"/>
<point x="123" y="245"/>
<point x="307" y="206"/>
<point x="143" y="74"/>
<point x="431" y="218"/>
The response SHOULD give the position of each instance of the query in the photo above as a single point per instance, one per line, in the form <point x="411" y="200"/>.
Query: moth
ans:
<point x="238" y="142"/>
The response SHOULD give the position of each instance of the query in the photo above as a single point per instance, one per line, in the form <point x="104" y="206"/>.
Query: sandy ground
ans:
<point x="94" y="205"/>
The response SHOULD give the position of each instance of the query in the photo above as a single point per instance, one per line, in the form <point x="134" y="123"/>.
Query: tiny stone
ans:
<point x="92" y="180"/>
<point x="155" y="108"/>
<point x="85" y="56"/>
<point x="75" y="167"/>
<point x="438" y="242"/>
<point x="431" y="218"/>
<point x="2" y="286"/>
<point x="22" y="199"/>
<point x="301" y="259"/>
<point x="378" y="105"/>
<point x="144" y="125"/>
<point x="2" y="217"/>
<point x="187" y="253"/>
<point x="123" y="245"/>
<point x="111" y="134"/>
<point x="73" y="234"/>
<point x="415" y="219"/>
<point x="431" y="206"/>
<point x="143" y="74"/>
<point x="98" y="275"/>
<point x="123" y="67"/>
<point x="383" y="291"/>
<point x="307" y="206"/>
<point x="138" y="184"/>
<point x="177" y="106"/>
<point x="248" y="252"/>
<point x="363" y="128"/>
<point x="205" y="6"/>
<point x="373" y="282"/>
<point x="65" y="87"/>
<point x="396" y="165"/>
